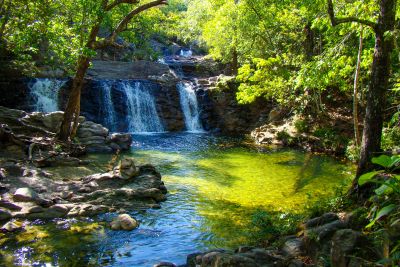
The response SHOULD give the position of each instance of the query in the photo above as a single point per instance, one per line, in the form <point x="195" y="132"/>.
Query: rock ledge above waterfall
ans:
<point x="126" y="70"/>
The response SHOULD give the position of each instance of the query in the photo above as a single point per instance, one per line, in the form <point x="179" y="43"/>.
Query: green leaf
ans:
<point x="383" y="189"/>
<point x="395" y="161"/>
<point x="382" y="212"/>
<point x="385" y="211"/>
<point x="366" y="177"/>
<point x="383" y="160"/>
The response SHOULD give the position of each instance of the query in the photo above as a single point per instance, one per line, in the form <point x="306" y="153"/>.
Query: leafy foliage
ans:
<point x="384" y="212"/>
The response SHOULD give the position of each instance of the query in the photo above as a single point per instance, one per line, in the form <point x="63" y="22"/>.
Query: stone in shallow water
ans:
<point x="12" y="226"/>
<point x="124" y="222"/>
<point x="25" y="194"/>
<point x="164" y="264"/>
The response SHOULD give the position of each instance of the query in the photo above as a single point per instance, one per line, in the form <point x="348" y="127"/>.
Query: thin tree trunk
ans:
<point x="376" y="93"/>
<point x="355" y="93"/>
<point x="235" y="63"/>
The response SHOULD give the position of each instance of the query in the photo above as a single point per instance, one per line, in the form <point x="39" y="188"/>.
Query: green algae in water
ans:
<point x="230" y="185"/>
<point x="49" y="243"/>
<point x="282" y="181"/>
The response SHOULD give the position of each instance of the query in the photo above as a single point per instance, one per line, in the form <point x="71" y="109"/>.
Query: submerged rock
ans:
<point x="124" y="222"/>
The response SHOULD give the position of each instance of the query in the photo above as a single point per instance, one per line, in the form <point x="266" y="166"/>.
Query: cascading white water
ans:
<point x="142" y="112"/>
<point x="107" y="108"/>
<point x="189" y="107"/>
<point x="186" y="53"/>
<point x="44" y="93"/>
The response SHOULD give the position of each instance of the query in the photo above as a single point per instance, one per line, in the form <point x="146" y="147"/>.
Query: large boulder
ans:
<point x="89" y="129"/>
<point x="343" y="243"/>
<point x="124" y="222"/>
<point x="123" y="140"/>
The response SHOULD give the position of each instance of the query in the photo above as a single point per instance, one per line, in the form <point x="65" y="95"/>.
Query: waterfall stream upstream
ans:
<point x="190" y="107"/>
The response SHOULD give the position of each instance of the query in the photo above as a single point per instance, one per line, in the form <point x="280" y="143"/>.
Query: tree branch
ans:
<point x="335" y="21"/>
<point x="118" y="2"/>
<point x="133" y="13"/>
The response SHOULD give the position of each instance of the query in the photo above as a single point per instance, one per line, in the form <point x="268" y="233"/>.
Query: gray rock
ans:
<point x="93" y="140"/>
<point x="227" y="260"/>
<point x="63" y="209"/>
<point x="9" y="205"/>
<point x="296" y="263"/>
<point x="52" y="120"/>
<point x="293" y="247"/>
<point x="44" y="202"/>
<point x="35" y="209"/>
<point x="123" y="140"/>
<point x="89" y="129"/>
<point x="99" y="149"/>
<point x="194" y="259"/>
<point x="343" y="243"/>
<point x="164" y="264"/>
<point x="124" y="222"/>
<point x="12" y="226"/>
<point x="324" y="219"/>
<point x="325" y="231"/>
<point x="127" y="168"/>
<point x="25" y="194"/>
<point x="4" y="214"/>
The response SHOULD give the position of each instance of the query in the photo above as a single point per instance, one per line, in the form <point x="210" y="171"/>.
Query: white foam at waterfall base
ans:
<point x="107" y="110"/>
<point x="190" y="107"/>
<point x="142" y="114"/>
<point x="44" y="93"/>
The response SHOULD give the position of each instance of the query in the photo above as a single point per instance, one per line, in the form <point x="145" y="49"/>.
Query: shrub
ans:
<point x="301" y="126"/>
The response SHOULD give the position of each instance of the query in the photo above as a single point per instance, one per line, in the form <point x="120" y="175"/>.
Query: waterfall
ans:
<point x="107" y="111"/>
<point x="44" y="93"/>
<point x="142" y="113"/>
<point x="189" y="107"/>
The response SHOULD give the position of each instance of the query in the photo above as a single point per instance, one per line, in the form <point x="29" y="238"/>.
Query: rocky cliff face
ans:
<point x="216" y="94"/>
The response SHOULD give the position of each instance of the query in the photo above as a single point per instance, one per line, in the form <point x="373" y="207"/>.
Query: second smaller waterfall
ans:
<point x="190" y="107"/>
<point x="44" y="93"/>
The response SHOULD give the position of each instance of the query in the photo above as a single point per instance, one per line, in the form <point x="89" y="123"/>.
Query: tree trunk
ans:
<point x="355" y="93"/>
<point x="376" y="93"/>
<point x="72" y="110"/>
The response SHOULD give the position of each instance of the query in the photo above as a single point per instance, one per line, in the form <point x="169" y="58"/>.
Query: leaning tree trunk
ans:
<point x="71" y="114"/>
<point x="376" y="93"/>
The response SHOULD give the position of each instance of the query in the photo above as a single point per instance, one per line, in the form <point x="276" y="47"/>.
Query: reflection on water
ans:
<point x="215" y="184"/>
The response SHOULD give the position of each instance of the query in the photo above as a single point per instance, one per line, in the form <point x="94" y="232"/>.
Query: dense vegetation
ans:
<point x="300" y="54"/>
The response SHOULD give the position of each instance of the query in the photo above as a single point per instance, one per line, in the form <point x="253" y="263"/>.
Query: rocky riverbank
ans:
<point x="332" y="238"/>
<point x="31" y="191"/>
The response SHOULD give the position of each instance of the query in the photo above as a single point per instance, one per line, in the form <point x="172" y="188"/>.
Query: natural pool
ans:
<point x="215" y="185"/>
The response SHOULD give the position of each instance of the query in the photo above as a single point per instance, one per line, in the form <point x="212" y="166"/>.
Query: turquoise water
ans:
<point x="215" y="184"/>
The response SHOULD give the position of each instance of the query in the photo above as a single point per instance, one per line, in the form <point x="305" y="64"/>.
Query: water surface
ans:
<point x="215" y="185"/>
